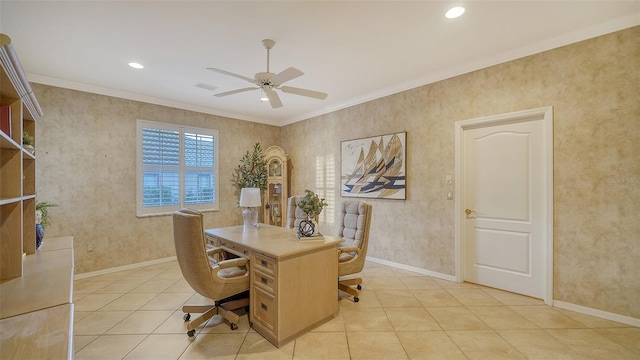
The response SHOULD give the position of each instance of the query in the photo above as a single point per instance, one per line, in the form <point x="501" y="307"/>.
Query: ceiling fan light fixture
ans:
<point x="454" y="12"/>
<point x="263" y="96"/>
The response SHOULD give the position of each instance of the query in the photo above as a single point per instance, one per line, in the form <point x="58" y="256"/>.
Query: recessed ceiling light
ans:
<point x="454" y="12"/>
<point x="135" y="65"/>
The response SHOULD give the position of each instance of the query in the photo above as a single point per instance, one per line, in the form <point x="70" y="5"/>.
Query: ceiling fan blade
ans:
<point x="304" y="92"/>
<point x="235" y="91"/>
<point x="274" y="99"/>
<point x="224" y="72"/>
<point x="286" y="75"/>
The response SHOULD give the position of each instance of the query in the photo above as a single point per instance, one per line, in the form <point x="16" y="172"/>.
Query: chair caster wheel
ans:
<point x="359" y="287"/>
<point x="356" y="299"/>
<point x="191" y="333"/>
<point x="234" y="326"/>
<point x="186" y="317"/>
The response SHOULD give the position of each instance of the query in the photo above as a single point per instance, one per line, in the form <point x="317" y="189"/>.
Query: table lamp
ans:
<point x="250" y="200"/>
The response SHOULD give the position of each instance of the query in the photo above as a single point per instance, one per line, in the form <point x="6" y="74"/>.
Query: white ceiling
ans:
<point x="354" y="50"/>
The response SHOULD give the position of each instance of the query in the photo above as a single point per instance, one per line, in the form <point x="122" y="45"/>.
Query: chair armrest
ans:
<point x="349" y="249"/>
<point x="233" y="262"/>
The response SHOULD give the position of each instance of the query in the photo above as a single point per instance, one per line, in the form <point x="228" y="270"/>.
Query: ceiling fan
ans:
<point x="268" y="81"/>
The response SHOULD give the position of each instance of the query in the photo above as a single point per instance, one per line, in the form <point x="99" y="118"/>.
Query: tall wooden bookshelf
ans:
<point x="19" y="112"/>
<point x="36" y="287"/>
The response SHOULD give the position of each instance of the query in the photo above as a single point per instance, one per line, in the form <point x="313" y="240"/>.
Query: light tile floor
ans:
<point x="135" y="314"/>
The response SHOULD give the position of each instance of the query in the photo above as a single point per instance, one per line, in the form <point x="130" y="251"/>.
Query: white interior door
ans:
<point x="505" y="200"/>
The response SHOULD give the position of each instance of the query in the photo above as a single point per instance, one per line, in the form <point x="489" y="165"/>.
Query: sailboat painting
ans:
<point x="374" y="167"/>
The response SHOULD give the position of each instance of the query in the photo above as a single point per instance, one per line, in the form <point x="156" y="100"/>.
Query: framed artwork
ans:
<point x="374" y="167"/>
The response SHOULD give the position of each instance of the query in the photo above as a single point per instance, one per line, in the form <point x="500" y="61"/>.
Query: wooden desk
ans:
<point x="293" y="284"/>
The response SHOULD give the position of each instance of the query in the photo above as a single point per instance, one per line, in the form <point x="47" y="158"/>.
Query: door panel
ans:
<point x="504" y="195"/>
<point x="491" y="244"/>
<point x="504" y="184"/>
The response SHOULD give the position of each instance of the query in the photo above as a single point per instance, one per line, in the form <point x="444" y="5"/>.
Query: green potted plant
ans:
<point x="28" y="142"/>
<point x="43" y="219"/>
<point x="312" y="205"/>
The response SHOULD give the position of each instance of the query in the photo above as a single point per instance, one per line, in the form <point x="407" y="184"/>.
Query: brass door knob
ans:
<point x="469" y="211"/>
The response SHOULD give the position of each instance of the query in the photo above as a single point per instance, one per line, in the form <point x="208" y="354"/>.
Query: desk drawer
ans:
<point x="263" y="309"/>
<point x="264" y="264"/>
<point x="264" y="281"/>
<point x="215" y="241"/>
<point x="234" y="248"/>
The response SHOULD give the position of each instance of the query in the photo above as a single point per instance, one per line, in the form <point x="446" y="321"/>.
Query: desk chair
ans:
<point x="355" y="220"/>
<point x="226" y="282"/>
<point x="294" y="214"/>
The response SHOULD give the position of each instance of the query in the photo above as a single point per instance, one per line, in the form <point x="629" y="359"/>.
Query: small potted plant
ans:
<point x="312" y="205"/>
<point x="28" y="142"/>
<point x="43" y="219"/>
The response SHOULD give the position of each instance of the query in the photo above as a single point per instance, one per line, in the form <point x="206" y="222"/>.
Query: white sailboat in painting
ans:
<point x="379" y="173"/>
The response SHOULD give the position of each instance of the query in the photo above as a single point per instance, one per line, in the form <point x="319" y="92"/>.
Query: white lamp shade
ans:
<point x="250" y="197"/>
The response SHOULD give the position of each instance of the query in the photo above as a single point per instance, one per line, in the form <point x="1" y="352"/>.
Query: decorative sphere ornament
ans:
<point x="306" y="228"/>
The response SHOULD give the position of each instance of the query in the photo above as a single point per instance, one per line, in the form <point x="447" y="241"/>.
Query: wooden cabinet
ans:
<point x="36" y="316"/>
<point x="275" y="207"/>
<point x="292" y="295"/>
<point x="264" y="286"/>
<point x="18" y="111"/>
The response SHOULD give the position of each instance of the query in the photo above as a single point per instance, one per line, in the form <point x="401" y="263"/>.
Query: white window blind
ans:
<point x="177" y="167"/>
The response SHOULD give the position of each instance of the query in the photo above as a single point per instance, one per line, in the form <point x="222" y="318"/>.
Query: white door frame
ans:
<point x="546" y="115"/>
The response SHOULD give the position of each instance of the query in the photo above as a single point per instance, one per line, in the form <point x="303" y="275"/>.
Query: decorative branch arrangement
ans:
<point x="252" y="170"/>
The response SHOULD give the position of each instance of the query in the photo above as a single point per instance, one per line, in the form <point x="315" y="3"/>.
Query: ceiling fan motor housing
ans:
<point x="263" y="78"/>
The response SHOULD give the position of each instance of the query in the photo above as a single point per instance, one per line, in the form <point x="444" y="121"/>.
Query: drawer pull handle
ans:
<point x="263" y="263"/>
<point x="264" y="280"/>
<point x="264" y="307"/>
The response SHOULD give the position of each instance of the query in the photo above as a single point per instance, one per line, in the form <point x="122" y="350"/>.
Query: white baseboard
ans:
<point x="412" y="269"/>
<point x="597" y="313"/>
<point x="121" y="268"/>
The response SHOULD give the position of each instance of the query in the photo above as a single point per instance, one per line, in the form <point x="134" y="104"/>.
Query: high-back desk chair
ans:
<point x="355" y="220"/>
<point x="224" y="281"/>
<point x="294" y="213"/>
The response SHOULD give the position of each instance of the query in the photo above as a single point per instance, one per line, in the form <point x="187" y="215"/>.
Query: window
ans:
<point x="176" y="167"/>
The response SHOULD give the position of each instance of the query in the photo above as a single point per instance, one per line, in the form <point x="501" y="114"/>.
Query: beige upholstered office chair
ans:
<point x="226" y="282"/>
<point x="355" y="220"/>
<point x="294" y="213"/>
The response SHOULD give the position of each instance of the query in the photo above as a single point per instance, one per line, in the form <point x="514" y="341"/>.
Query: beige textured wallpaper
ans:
<point x="594" y="88"/>
<point x="86" y="163"/>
